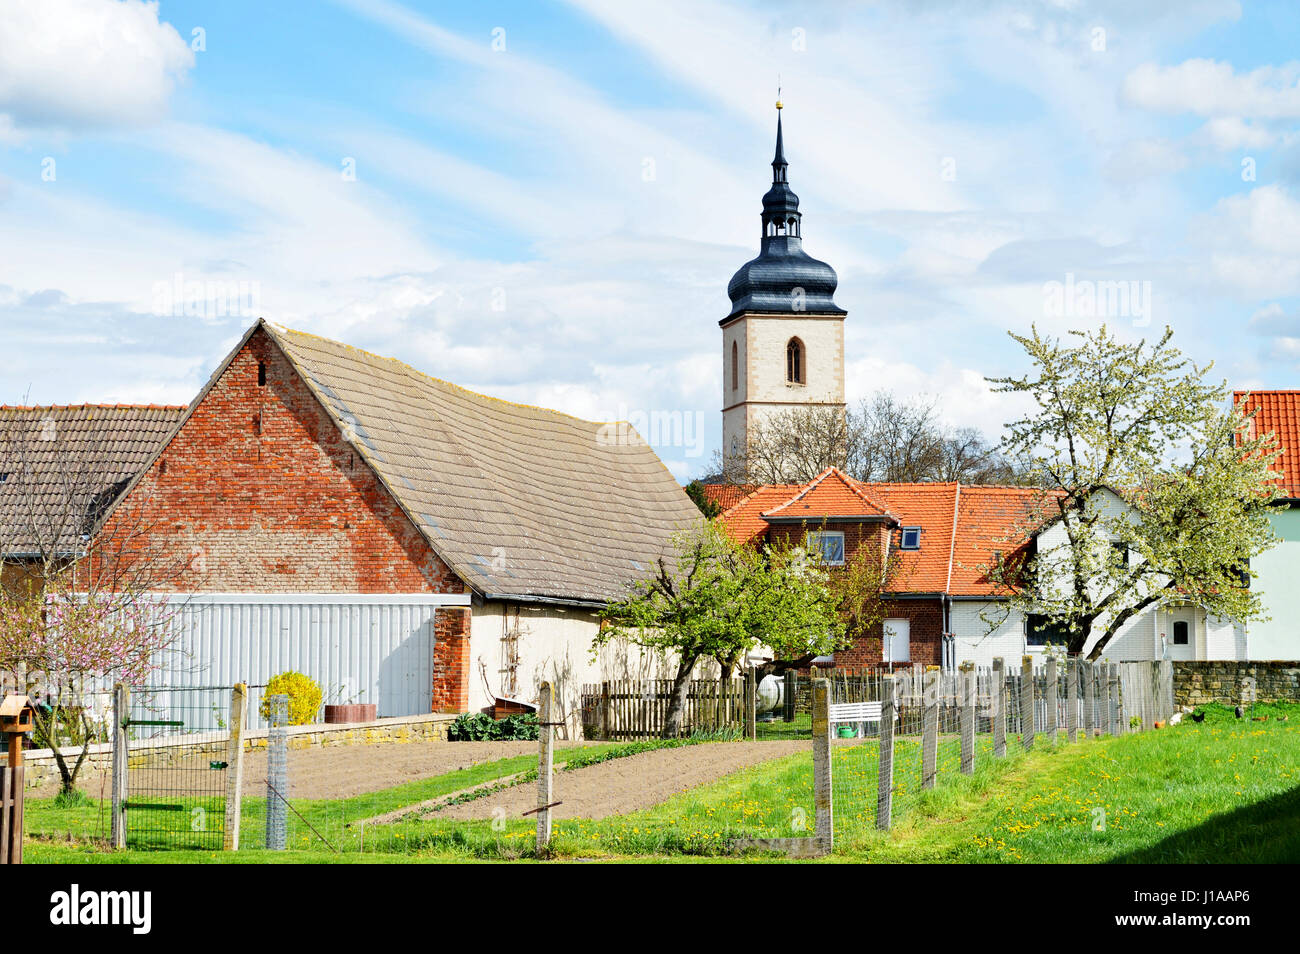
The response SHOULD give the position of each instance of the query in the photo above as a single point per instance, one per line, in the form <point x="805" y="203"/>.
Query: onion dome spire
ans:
<point x="784" y="278"/>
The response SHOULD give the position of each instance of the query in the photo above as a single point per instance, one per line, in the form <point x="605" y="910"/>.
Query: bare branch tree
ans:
<point x="80" y="603"/>
<point x="883" y="439"/>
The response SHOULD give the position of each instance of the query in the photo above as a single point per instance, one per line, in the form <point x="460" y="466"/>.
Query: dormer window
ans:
<point x="910" y="538"/>
<point x="829" y="544"/>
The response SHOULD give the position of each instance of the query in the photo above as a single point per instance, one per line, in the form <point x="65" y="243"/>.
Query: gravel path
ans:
<point x="339" y="771"/>
<point x="630" y="784"/>
<point x="608" y="788"/>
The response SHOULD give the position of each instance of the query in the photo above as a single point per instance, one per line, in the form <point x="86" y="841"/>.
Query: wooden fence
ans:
<point x="623" y="709"/>
<point x="11" y="815"/>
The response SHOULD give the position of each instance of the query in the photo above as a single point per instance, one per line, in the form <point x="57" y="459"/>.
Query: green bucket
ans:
<point x="847" y="732"/>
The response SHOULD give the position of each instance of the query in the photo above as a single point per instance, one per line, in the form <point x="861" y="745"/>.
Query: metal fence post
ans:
<point x="277" y="773"/>
<point x="545" y="766"/>
<point x="998" y="692"/>
<point x="823" y="804"/>
<point x="235" y="766"/>
<point x="1027" y="702"/>
<point x="1088" y="674"/>
<point x="930" y="727"/>
<point x="1072" y="699"/>
<point x="885" y="779"/>
<point x="967" y="690"/>
<point x="121" y="711"/>
<point x="1053" y="716"/>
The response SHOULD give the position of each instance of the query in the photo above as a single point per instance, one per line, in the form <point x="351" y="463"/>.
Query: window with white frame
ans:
<point x="830" y="544"/>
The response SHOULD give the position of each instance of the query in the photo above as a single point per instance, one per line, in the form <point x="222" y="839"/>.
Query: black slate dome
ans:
<point x="784" y="279"/>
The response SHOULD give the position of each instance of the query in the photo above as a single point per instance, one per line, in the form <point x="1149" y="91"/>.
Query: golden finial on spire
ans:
<point x="778" y="98"/>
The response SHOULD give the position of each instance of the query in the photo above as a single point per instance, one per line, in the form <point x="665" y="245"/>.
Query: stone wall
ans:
<point x="1196" y="683"/>
<point x="165" y="751"/>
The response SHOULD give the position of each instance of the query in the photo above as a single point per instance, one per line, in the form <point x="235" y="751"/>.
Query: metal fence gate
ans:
<point x="175" y="783"/>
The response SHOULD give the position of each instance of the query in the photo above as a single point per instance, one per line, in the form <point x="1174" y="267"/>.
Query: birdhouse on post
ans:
<point x="16" y="720"/>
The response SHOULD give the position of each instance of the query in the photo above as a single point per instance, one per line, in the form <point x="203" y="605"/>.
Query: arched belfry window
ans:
<point x="794" y="362"/>
<point x="735" y="366"/>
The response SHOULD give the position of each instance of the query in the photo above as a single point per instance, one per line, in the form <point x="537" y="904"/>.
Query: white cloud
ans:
<point x="1232" y="132"/>
<point x="1253" y="242"/>
<point x="1143" y="159"/>
<point x="1213" y="88"/>
<point x="87" y="62"/>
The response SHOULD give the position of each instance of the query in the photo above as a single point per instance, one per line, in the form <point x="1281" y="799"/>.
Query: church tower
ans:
<point x="783" y="342"/>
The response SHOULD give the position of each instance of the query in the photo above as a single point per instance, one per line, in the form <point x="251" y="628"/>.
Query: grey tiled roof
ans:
<point x="59" y="462"/>
<point x="522" y="502"/>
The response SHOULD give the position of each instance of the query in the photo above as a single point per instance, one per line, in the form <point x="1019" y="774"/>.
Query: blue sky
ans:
<point x="549" y="198"/>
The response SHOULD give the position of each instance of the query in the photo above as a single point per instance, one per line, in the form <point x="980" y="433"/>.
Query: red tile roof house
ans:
<point x="1278" y="569"/>
<point x="943" y="534"/>
<point x="402" y="540"/>
<point x="943" y="610"/>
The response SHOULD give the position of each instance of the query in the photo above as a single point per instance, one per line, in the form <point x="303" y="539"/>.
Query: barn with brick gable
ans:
<point x="404" y="541"/>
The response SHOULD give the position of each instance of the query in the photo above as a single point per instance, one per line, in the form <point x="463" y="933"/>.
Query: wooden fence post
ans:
<point x="1027" y="702"/>
<point x="966" y="693"/>
<point x="998" y="694"/>
<point x="1072" y="699"/>
<point x="545" y="766"/>
<point x="791" y="690"/>
<point x="121" y="711"/>
<point x="823" y="804"/>
<point x="235" y="766"/>
<point x="885" y="778"/>
<point x="1053" y="716"/>
<point x="11" y="813"/>
<point x="751" y="702"/>
<point x="930" y="727"/>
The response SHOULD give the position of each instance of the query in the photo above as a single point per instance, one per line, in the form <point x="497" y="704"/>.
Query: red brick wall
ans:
<point x="926" y="616"/>
<point x="261" y="492"/>
<point x="451" y="660"/>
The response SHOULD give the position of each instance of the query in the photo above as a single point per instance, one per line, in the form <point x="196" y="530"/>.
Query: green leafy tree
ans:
<point x="1153" y="486"/>
<point x="717" y="599"/>
<point x="708" y="507"/>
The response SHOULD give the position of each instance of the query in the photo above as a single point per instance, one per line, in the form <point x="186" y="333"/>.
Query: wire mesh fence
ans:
<point x="898" y="735"/>
<point x="176" y="783"/>
<point x="890" y="739"/>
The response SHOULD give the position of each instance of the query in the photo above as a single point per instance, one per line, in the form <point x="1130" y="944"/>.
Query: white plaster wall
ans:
<point x="974" y="642"/>
<point x="554" y="644"/>
<point x="1138" y="639"/>
<point x="764" y="391"/>
<point x="823" y="340"/>
<point x="1135" y="640"/>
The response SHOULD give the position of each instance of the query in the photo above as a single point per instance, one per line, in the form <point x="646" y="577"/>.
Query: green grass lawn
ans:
<point x="1225" y="790"/>
<point x="88" y="820"/>
<point x="1222" y="791"/>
